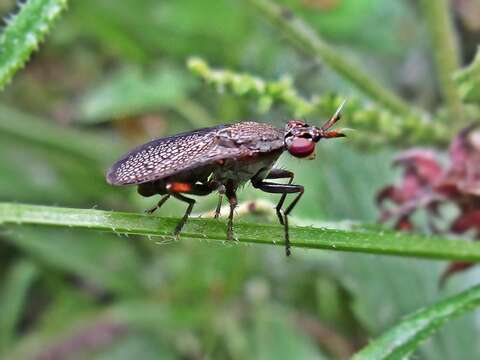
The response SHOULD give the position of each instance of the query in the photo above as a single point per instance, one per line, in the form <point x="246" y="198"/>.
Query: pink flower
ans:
<point x="426" y="184"/>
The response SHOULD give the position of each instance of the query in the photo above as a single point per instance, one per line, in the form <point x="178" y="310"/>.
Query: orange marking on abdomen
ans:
<point x="179" y="187"/>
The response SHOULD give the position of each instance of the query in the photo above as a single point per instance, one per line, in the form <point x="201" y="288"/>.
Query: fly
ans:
<point x="221" y="159"/>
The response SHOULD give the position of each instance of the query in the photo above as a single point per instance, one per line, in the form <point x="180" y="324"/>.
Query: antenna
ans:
<point x="336" y="116"/>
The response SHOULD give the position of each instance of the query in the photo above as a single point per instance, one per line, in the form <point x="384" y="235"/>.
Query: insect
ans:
<point x="221" y="159"/>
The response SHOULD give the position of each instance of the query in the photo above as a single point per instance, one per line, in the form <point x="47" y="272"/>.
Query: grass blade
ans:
<point x="401" y="340"/>
<point x="14" y="291"/>
<point x="41" y="132"/>
<point x="355" y="240"/>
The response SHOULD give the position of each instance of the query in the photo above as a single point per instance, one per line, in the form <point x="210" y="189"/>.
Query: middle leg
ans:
<point x="221" y="191"/>
<point x="232" y="199"/>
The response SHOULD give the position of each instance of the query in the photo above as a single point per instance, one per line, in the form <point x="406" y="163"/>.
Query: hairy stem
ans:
<point x="378" y="125"/>
<point x="357" y="239"/>
<point x="446" y="53"/>
<point x="304" y="36"/>
<point x="24" y="32"/>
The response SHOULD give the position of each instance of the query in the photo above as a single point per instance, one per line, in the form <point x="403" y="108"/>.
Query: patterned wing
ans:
<point x="165" y="156"/>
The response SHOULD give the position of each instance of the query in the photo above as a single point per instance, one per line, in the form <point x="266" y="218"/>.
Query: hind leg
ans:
<point x="185" y="216"/>
<point x="159" y="204"/>
<point x="177" y="189"/>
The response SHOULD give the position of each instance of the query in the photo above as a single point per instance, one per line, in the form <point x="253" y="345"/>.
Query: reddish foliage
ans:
<point x="426" y="184"/>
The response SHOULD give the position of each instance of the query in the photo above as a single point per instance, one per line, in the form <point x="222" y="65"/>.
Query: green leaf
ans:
<point x="25" y="31"/>
<point x="401" y="340"/>
<point x="163" y="29"/>
<point x="384" y="289"/>
<point x="14" y="292"/>
<point x="136" y="346"/>
<point x="68" y="309"/>
<point x="275" y="337"/>
<point x="81" y="144"/>
<point x="155" y="320"/>
<point x="48" y="163"/>
<point x="132" y="91"/>
<point x="356" y="239"/>
<point x="107" y="262"/>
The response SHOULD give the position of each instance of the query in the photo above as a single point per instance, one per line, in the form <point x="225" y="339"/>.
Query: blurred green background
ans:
<point x="111" y="75"/>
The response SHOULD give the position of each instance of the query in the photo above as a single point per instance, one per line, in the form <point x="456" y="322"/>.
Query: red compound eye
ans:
<point x="301" y="147"/>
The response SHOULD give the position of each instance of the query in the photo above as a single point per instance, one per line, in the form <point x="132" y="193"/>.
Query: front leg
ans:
<point x="280" y="174"/>
<point x="283" y="189"/>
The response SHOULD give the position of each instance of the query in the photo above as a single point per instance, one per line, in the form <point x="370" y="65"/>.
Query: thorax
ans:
<point x="241" y="170"/>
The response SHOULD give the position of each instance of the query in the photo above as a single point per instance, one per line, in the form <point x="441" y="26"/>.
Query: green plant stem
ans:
<point x="355" y="240"/>
<point x="24" y="32"/>
<point x="445" y="47"/>
<point x="468" y="81"/>
<point x="377" y="125"/>
<point x="301" y="34"/>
